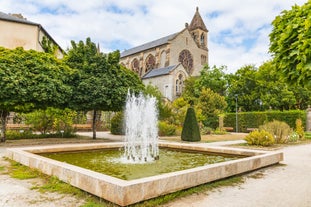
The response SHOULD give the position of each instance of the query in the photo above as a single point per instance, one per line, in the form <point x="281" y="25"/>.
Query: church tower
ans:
<point x="198" y="30"/>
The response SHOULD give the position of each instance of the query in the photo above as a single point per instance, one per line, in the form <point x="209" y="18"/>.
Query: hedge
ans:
<point x="255" y="119"/>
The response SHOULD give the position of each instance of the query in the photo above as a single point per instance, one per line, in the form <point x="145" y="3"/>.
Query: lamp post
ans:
<point x="236" y="113"/>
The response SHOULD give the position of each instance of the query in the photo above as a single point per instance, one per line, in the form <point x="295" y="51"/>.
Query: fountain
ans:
<point x="141" y="131"/>
<point x="140" y="149"/>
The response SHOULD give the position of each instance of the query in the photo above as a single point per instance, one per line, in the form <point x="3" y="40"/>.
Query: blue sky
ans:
<point x="238" y="30"/>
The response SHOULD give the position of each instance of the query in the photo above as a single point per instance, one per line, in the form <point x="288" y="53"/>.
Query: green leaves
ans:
<point x="290" y="43"/>
<point x="102" y="83"/>
<point x="32" y="77"/>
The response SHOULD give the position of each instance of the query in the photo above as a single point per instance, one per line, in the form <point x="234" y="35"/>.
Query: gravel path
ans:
<point x="286" y="185"/>
<point x="18" y="193"/>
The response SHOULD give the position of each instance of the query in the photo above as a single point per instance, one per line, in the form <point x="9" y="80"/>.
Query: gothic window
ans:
<point x="163" y="59"/>
<point x="194" y="36"/>
<point x="203" y="59"/>
<point x="202" y="39"/>
<point x="150" y="63"/>
<point x="185" y="58"/>
<point x="135" y="65"/>
<point x="179" y="84"/>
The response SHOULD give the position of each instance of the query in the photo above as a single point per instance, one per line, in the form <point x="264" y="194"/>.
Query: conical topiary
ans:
<point x="191" y="130"/>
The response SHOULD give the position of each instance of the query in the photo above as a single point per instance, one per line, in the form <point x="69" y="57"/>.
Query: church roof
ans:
<point x="197" y="22"/>
<point x="148" y="45"/>
<point x="159" y="71"/>
<point x="12" y="18"/>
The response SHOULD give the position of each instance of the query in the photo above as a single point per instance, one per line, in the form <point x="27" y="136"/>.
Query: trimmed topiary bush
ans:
<point x="191" y="130"/>
<point x="262" y="138"/>
<point x="117" y="124"/>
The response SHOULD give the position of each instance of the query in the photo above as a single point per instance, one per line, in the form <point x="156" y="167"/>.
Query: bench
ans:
<point x="82" y="127"/>
<point x="18" y="126"/>
<point x="228" y="129"/>
<point x="251" y="129"/>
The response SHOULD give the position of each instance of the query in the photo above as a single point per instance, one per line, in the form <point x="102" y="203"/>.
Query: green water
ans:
<point x="108" y="162"/>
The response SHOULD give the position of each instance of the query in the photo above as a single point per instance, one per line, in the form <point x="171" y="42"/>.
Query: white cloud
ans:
<point x="238" y="31"/>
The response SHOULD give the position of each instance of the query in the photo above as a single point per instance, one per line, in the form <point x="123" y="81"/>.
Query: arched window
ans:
<point x="135" y="65"/>
<point x="185" y="58"/>
<point x="179" y="84"/>
<point x="202" y="39"/>
<point x="150" y="63"/>
<point x="163" y="59"/>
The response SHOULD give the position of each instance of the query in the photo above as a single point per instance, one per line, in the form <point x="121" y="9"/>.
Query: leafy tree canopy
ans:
<point x="102" y="83"/>
<point x="290" y="43"/>
<point x="32" y="80"/>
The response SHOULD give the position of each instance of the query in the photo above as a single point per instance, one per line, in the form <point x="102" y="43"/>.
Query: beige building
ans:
<point x="16" y="31"/>
<point x="168" y="61"/>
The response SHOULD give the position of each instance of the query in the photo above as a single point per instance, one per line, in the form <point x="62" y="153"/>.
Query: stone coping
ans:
<point x="123" y="192"/>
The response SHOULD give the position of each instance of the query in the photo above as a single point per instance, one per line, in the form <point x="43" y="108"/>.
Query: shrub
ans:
<point x="262" y="138"/>
<point x="206" y="130"/>
<point x="220" y="131"/>
<point x="27" y="134"/>
<point x="308" y="135"/>
<point x="117" y="124"/>
<point x="299" y="129"/>
<point x="166" y="129"/>
<point x="293" y="137"/>
<point x="191" y="130"/>
<point x="280" y="130"/>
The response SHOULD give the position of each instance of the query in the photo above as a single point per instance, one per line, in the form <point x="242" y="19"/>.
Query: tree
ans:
<point x="290" y="43"/>
<point x="243" y="85"/>
<point x="211" y="105"/>
<point x="102" y="83"/>
<point x="214" y="78"/>
<point x="31" y="80"/>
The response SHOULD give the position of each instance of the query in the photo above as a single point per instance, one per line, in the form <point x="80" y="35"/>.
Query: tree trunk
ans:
<point x="3" y="119"/>
<point x="94" y="124"/>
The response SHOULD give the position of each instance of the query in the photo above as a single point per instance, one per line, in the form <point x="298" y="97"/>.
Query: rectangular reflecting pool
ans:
<point x="126" y="192"/>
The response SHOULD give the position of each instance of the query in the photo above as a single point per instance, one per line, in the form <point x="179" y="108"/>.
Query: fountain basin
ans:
<point x="124" y="192"/>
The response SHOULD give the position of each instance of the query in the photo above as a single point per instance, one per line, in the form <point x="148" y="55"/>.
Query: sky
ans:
<point x="238" y="30"/>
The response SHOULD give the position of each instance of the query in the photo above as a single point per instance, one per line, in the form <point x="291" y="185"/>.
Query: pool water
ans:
<point x="111" y="162"/>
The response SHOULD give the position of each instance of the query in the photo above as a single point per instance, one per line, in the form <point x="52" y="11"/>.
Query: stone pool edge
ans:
<point x="124" y="192"/>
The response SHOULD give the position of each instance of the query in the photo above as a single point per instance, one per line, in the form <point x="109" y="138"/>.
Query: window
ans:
<point x="203" y="59"/>
<point x="135" y="65"/>
<point x="202" y="39"/>
<point x="150" y="63"/>
<point x="185" y="58"/>
<point x="163" y="59"/>
<point x="179" y="84"/>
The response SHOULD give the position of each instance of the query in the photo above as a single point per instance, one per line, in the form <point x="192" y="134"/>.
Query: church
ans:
<point x="167" y="62"/>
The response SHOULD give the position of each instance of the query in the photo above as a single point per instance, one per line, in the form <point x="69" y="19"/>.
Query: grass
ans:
<point x="2" y="168"/>
<point x="19" y="171"/>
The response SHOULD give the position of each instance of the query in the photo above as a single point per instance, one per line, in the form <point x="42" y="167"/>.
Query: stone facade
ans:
<point x="16" y="31"/>
<point x="187" y="48"/>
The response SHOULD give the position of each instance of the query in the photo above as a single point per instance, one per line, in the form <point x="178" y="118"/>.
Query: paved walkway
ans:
<point x="286" y="185"/>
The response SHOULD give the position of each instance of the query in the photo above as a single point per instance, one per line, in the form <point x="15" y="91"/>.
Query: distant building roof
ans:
<point x="148" y="45"/>
<point x="16" y="18"/>
<point x="159" y="71"/>
<point x="20" y="19"/>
